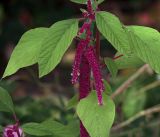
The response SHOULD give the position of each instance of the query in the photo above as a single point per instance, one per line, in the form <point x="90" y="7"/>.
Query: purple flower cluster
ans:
<point x="89" y="6"/>
<point x="84" y="48"/>
<point x="77" y="61"/>
<point x="80" y="51"/>
<point x="85" y="26"/>
<point x="90" y="13"/>
<point x="85" y="61"/>
<point x="12" y="131"/>
<point x="83" y="131"/>
<point x="84" y="80"/>
<point x="95" y="66"/>
<point x="84" y="87"/>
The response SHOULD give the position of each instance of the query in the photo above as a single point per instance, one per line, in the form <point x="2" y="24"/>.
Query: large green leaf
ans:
<point x="73" y="126"/>
<point x="145" y="43"/>
<point x="36" y="129"/>
<point x="112" y="29"/>
<point x="96" y="119"/>
<point x="58" y="129"/>
<point x="6" y="103"/>
<point x="26" y="51"/>
<point x="85" y="1"/>
<point x="111" y="66"/>
<point x="51" y="127"/>
<point x="128" y="61"/>
<point x="55" y="44"/>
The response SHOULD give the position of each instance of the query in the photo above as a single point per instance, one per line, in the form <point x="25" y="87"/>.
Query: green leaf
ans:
<point x="27" y="50"/>
<point x="129" y="61"/>
<point x="1" y="129"/>
<point x="145" y="43"/>
<point x="96" y="119"/>
<point x="133" y="103"/>
<point x="58" y="129"/>
<point x="74" y="127"/>
<point x="85" y="1"/>
<point x="49" y="127"/>
<point x="55" y="44"/>
<point x="79" y="1"/>
<point x="111" y="66"/>
<point x="36" y="129"/>
<point x="6" y="104"/>
<point x="108" y="89"/>
<point x="72" y="102"/>
<point x="112" y="29"/>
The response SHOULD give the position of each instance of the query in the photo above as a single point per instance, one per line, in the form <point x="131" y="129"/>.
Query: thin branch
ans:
<point x="150" y="86"/>
<point x="131" y="79"/>
<point x="149" y="111"/>
<point x="149" y="125"/>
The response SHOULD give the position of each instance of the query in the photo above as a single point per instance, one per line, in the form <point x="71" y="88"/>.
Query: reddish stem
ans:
<point x="17" y="124"/>
<point x="117" y="57"/>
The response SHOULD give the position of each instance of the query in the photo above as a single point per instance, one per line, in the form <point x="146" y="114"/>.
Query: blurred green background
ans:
<point x="40" y="99"/>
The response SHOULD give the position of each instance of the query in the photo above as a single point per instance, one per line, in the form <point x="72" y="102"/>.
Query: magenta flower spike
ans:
<point x="84" y="88"/>
<point x="85" y="26"/>
<point x="95" y="66"/>
<point x="77" y="61"/>
<point x="84" y="80"/>
<point x="12" y="131"/>
<point x="83" y="132"/>
<point x="91" y="13"/>
<point x="89" y="6"/>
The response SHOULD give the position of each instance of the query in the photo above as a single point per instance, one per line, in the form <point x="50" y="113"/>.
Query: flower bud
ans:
<point x="12" y="131"/>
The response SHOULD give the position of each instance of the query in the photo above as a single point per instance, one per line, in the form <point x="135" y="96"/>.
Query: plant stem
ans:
<point x="149" y="111"/>
<point x="149" y="86"/>
<point x="17" y="124"/>
<point x="15" y="118"/>
<point x="124" y="133"/>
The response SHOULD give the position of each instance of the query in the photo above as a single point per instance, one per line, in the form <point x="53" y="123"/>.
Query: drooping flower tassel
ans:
<point x="84" y="88"/>
<point x="95" y="66"/>
<point x="77" y="61"/>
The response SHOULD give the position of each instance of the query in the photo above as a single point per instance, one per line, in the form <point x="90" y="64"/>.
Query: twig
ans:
<point x="127" y="83"/>
<point x="149" y="125"/>
<point x="150" y="86"/>
<point x="149" y="111"/>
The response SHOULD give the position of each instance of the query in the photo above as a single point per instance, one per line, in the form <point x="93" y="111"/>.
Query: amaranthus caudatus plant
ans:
<point x="46" y="46"/>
